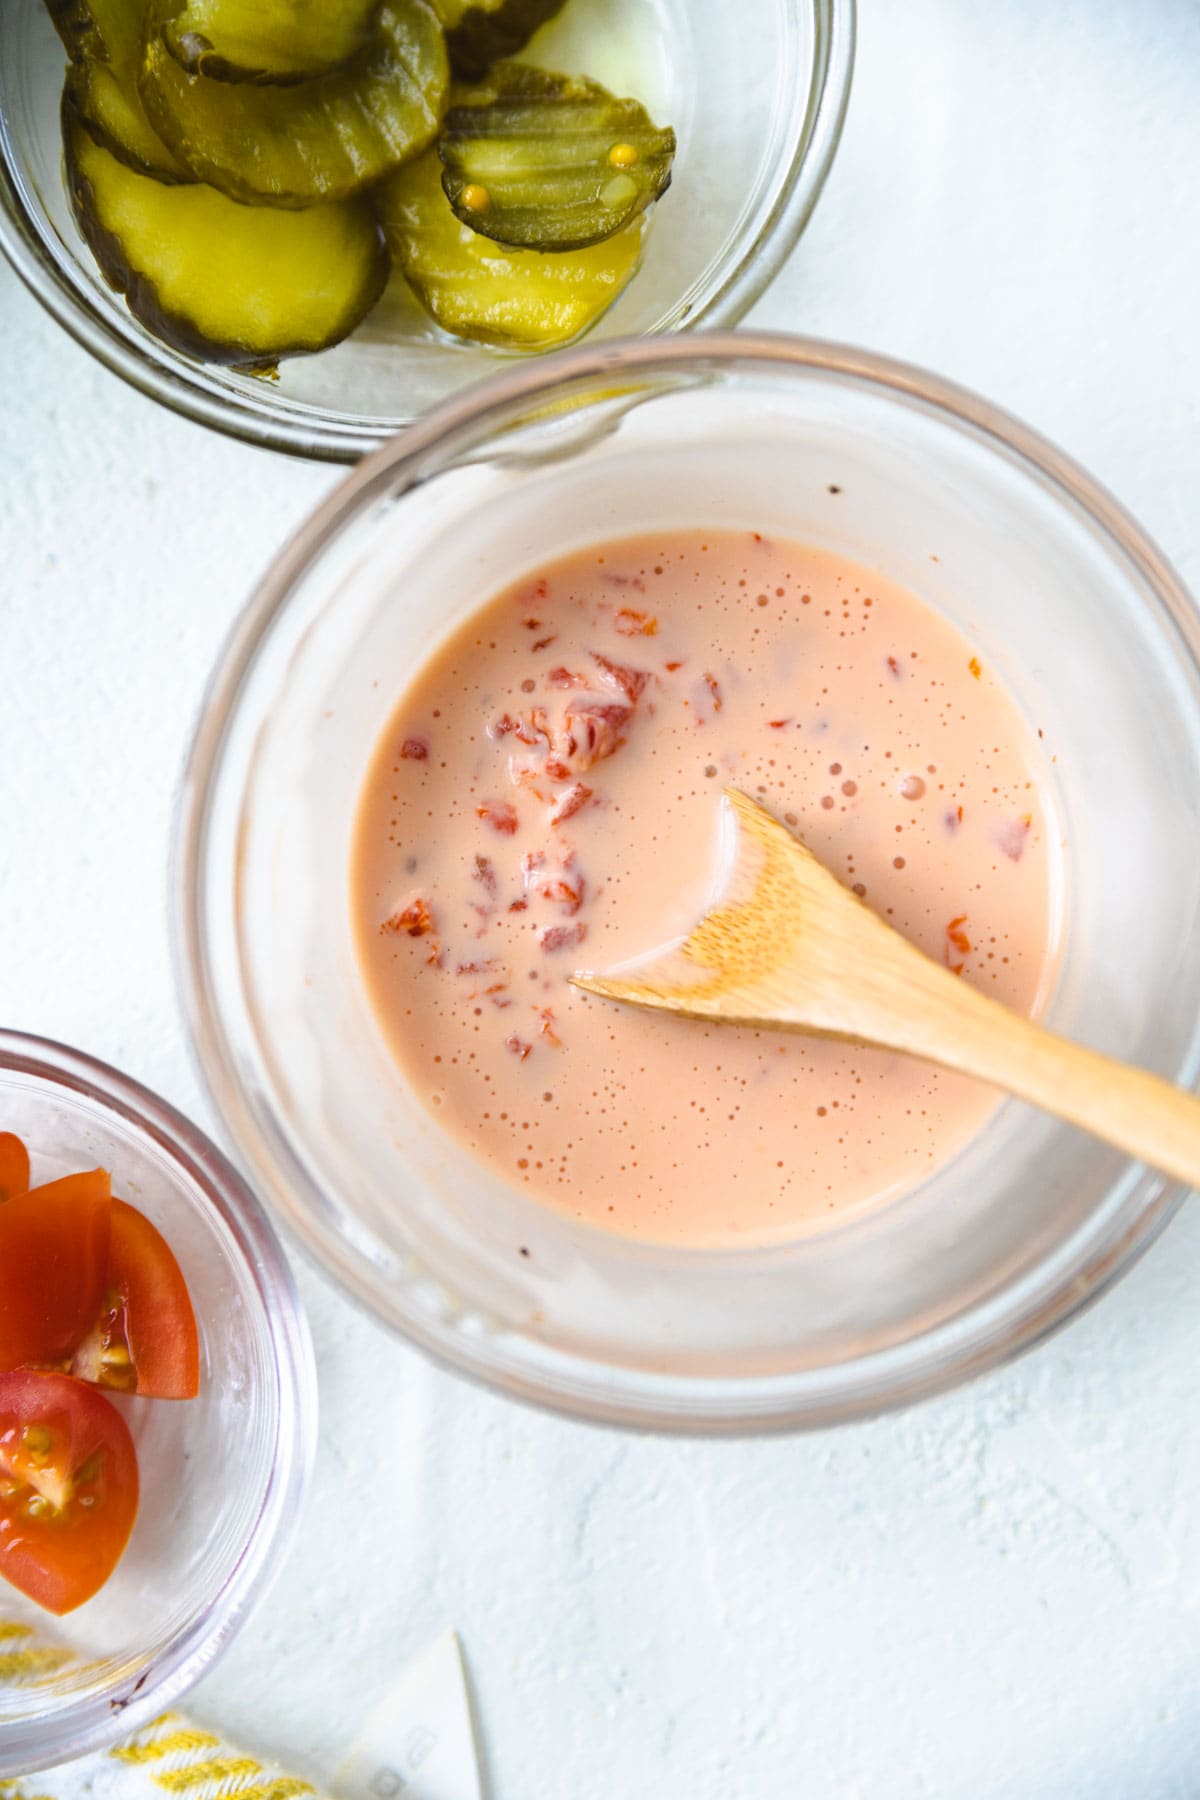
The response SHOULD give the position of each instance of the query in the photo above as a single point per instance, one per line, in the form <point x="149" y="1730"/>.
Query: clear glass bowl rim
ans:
<point x="734" y="290"/>
<point x="93" y="1725"/>
<point x="992" y="1332"/>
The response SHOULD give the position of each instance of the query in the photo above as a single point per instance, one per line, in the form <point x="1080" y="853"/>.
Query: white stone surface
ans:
<point x="997" y="1594"/>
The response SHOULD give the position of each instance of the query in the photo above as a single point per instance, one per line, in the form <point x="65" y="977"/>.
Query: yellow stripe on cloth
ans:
<point x="32" y="1661"/>
<point x="219" y="1775"/>
<point x="31" y="1665"/>
<point x="165" y="1736"/>
<point x="283" y="1787"/>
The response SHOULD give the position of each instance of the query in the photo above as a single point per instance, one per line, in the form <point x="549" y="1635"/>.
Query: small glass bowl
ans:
<point x="222" y="1476"/>
<point x="1063" y="597"/>
<point x="757" y="94"/>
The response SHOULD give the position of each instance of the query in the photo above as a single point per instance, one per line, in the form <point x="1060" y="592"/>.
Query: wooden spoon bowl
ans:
<point x="789" y="948"/>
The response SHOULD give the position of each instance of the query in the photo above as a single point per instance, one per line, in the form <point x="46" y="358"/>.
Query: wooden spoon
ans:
<point x="790" y="948"/>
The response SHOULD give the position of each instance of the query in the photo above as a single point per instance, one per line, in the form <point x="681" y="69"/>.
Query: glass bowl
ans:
<point x="222" y="1476"/>
<point x="1062" y="595"/>
<point x="756" y="93"/>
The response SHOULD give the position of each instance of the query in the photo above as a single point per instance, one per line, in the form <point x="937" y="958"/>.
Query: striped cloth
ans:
<point x="178" y="1758"/>
<point x="171" y="1753"/>
<point x="418" y="1744"/>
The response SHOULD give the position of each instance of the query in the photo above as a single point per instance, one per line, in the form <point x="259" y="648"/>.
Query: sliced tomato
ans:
<point x="144" y="1338"/>
<point x="53" y="1257"/>
<point x="68" y="1487"/>
<point x="14" y="1166"/>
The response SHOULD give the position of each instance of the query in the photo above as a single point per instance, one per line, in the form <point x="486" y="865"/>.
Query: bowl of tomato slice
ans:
<point x="151" y="1341"/>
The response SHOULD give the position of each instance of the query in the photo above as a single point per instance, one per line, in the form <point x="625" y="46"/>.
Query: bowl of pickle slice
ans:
<point x="305" y="221"/>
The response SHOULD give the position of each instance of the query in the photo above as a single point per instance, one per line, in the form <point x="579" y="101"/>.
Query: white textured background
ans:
<point x="997" y="1595"/>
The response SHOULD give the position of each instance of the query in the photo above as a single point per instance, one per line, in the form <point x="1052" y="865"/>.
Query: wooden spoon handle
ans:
<point x="1128" y="1107"/>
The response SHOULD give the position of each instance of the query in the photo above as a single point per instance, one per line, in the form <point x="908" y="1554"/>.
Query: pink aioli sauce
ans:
<point x="546" y="797"/>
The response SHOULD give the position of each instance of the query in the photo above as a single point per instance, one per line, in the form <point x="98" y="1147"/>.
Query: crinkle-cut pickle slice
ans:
<point x="229" y="283"/>
<point x="482" y="32"/>
<point x="104" y="41"/>
<point x="550" y="162"/>
<point x="253" y="40"/>
<point x="477" y="289"/>
<point x="314" y="140"/>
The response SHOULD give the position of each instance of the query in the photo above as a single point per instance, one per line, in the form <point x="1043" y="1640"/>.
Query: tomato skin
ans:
<point x="145" y="1340"/>
<point x="14" y="1166"/>
<point x="53" y="1256"/>
<point x="68" y="1488"/>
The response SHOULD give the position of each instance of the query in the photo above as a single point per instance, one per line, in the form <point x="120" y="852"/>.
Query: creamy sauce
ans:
<point x="546" y="798"/>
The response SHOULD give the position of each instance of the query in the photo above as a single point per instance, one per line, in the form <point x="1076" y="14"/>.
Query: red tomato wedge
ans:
<point x="53" y="1257"/>
<point x="14" y="1166"/>
<point x="68" y="1488"/>
<point x="143" y="1340"/>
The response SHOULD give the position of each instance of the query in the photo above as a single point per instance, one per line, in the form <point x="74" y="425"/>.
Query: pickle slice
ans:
<point x="287" y="40"/>
<point x="218" y="280"/>
<point x="316" y="140"/>
<point x="550" y="162"/>
<point x="76" y="26"/>
<point x="104" y="41"/>
<point x="481" y="32"/>
<point x="478" y="289"/>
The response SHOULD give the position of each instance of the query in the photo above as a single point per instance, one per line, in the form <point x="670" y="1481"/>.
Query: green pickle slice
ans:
<point x="315" y="140"/>
<point x="481" y="32"/>
<point x="478" y="289"/>
<point x="550" y="162"/>
<point x="287" y="40"/>
<point x="104" y="41"/>
<point x="218" y="280"/>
